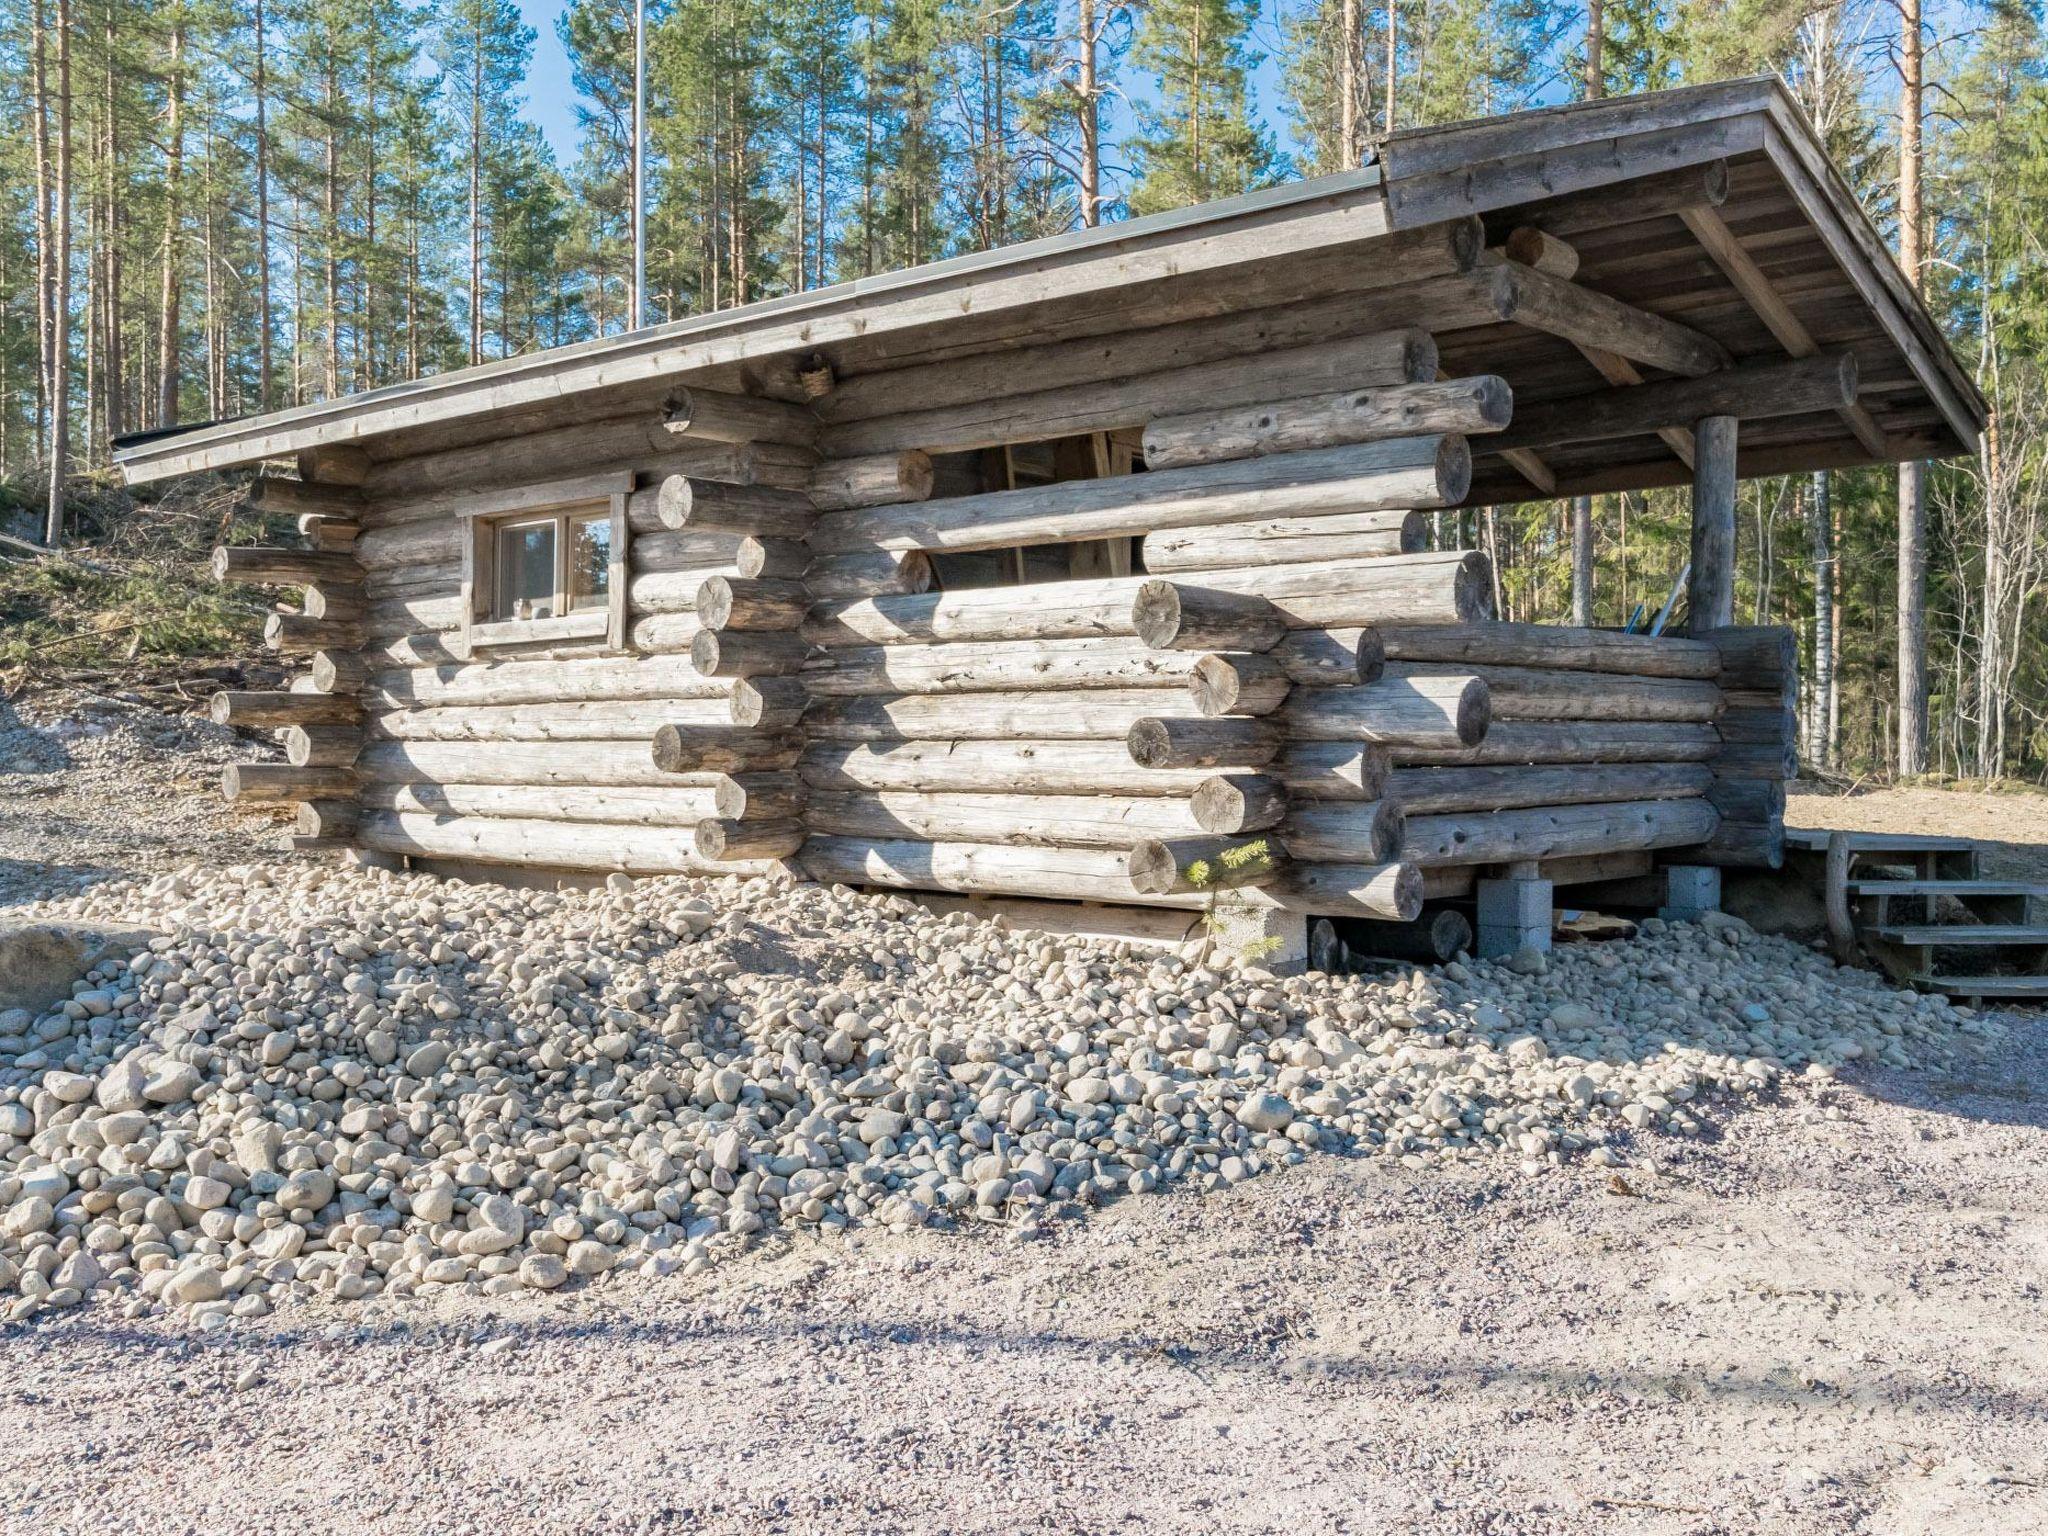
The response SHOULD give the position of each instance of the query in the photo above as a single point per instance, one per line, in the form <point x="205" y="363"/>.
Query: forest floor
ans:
<point x="1823" y="1316"/>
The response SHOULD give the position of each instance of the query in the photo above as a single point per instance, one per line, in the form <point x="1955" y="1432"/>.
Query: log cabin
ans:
<point x="1124" y="567"/>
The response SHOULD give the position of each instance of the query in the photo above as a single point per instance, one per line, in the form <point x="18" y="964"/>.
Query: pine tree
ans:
<point x="1198" y="141"/>
<point x="484" y="49"/>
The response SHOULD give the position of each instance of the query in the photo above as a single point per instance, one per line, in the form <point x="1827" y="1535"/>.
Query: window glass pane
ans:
<point x="526" y="571"/>
<point x="590" y="561"/>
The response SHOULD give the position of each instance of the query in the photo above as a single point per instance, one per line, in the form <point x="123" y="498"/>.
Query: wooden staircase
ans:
<point x="1917" y="906"/>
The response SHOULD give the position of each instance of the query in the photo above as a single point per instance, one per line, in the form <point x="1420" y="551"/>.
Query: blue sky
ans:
<point x="551" y="100"/>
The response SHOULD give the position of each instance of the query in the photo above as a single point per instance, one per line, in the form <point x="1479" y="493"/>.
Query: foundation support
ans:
<point x="1514" y="912"/>
<point x="1690" y="892"/>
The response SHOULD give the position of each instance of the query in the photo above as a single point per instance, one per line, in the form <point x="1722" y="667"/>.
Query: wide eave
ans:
<point x="1787" y="265"/>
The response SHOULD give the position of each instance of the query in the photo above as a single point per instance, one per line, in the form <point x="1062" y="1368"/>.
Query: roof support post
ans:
<point x="1713" y="524"/>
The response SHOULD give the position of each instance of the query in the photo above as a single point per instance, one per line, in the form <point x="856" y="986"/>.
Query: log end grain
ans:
<point x="731" y="841"/>
<point x="714" y="602"/>
<point x="1474" y="711"/>
<point x="1231" y="803"/>
<point x="1163" y="867"/>
<point x="1454" y="465"/>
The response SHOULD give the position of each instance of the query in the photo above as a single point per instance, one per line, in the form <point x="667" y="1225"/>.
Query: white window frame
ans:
<point x="563" y="502"/>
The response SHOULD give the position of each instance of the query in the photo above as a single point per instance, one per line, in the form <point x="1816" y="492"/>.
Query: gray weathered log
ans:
<point x="624" y="763"/>
<point x="1237" y="683"/>
<point x="725" y="842"/>
<point x="279" y="783"/>
<point x="771" y="705"/>
<point x="775" y="559"/>
<point x="270" y="566"/>
<point x="1576" y="741"/>
<point x="1103" y="405"/>
<point x="718" y="417"/>
<point x="1227" y="743"/>
<point x="1196" y="865"/>
<point x="876" y="480"/>
<point x="260" y="709"/>
<point x="668" y="806"/>
<point x="718" y="506"/>
<point x="638" y="850"/>
<point x="1444" y="712"/>
<point x="322" y="746"/>
<point x="1179" y="616"/>
<point x="1100" y="714"/>
<point x="1286" y="541"/>
<point x="1545" y="645"/>
<point x="748" y="653"/>
<point x="1385" y="891"/>
<point x="338" y="671"/>
<point x="293" y="634"/>
<point x="1805" y="386"/>
<point x="1440" y="790"/>
<point x="1344" y="832"/>
<point x="1506" y="837"/>
<point x="1231" y="803"/>
<point x="1430" y="471"/>
<point x="1540" y="693"/>
<point x="544" y="682"/>
<point x="996" y="666"/>
<point x="1351" y="415"/>
<point x="989" y="869"/>
<point x="869" y="574"/>
<point x="1082" y="821"/>
<point x="1453" y="587"/>
<point x="759" y="796"/>
<point x="734" y="602"/>
<point x="717" y="750"/>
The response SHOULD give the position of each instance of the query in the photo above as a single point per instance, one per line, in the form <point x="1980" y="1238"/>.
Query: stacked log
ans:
<point x="318" y="722"/>
<point x="1758" y="747"/>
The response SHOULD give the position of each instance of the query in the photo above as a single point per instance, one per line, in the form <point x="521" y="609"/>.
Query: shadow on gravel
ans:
<point x="1213" y="1366"/>
<point x="2008" y="1086"/>
<point x="26" y="749"/>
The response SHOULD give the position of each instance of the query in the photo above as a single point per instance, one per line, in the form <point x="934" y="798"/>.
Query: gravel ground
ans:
<point x="1819" y="1314"/>
<point x="1826" y="1320"/>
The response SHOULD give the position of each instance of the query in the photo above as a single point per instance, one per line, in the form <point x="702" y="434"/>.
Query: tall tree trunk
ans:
<point x="1912" y="477"/>
<point x="1821" y="745"/>
<point x="476" y="200"/>
<point x="60" y="360"/>
<point x="46" y="276"/>
<point x="1090" y="114"/>
<point x="1596" y="51"/>
<point x="330" y="218"/>
<point x="1393" y="55"/>
<point x="170" y="320"/>
<point x="265" y="396"/>
<point x="114" y="388"/>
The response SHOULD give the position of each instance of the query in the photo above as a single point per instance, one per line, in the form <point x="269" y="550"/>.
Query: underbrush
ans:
<point x="134" y="588"/>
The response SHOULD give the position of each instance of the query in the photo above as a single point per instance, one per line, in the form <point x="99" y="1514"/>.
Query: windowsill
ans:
<point x="592" y="623"/>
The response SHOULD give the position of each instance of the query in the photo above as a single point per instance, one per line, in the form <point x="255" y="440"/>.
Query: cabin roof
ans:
<point x="1785" y="265"/>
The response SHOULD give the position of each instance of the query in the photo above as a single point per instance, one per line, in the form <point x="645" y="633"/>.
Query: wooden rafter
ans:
<point x="1713" y="233"/>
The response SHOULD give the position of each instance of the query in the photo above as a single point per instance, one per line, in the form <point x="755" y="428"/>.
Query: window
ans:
<point x="546" y="565"/>
<point x="549" y="566"/>
<point x="1090" y="456"/>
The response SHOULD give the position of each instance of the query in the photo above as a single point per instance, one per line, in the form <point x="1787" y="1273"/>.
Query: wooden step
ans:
<point x="1960" y="889"/>
<point x="1951" y="936"/>
<point x="1983" y="986"/>
<point x="1815" y="840"/>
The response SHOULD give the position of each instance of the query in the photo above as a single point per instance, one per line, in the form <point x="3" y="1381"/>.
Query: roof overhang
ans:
<point x="1795" y="228"/>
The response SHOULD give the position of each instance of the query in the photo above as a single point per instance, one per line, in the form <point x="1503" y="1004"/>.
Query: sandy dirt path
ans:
<point x="1827" y="1319"/>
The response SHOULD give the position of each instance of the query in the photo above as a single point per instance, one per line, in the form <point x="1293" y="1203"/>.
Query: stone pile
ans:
<point x="345" y="1083"/>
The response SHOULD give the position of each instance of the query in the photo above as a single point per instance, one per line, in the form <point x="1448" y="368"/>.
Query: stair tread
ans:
<point x="1880" y="842"/>
<point x="1942" y="935"/>
<point x="1948" y="888"/>
<point x="1986" y="986"/>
